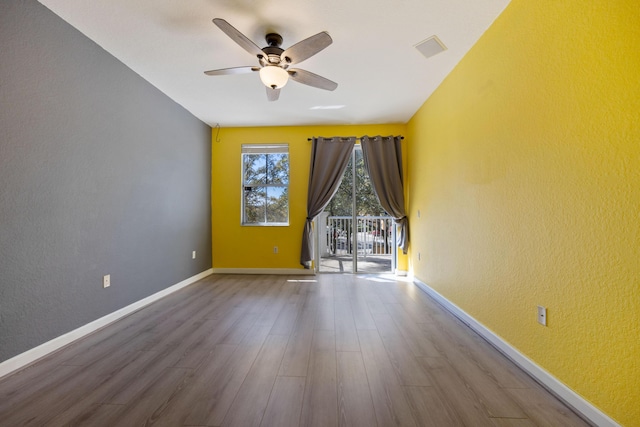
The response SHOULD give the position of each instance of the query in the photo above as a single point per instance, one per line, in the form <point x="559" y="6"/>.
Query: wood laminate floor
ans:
<point x="330" y="350"/>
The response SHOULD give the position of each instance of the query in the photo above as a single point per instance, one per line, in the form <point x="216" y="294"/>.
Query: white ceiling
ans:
<point x="381" y="76"/>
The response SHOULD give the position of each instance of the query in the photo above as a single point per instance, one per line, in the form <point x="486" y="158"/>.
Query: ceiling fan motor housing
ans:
<point x="273" y="51"/>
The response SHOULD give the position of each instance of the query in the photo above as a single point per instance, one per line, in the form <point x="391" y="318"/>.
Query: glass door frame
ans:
<point x="354" y="228"/>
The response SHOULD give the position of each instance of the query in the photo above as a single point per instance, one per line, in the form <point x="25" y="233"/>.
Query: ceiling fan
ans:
<point x="274" y="61"/>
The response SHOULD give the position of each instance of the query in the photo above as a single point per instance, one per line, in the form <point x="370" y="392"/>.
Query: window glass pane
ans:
<point x="277" y="204"/>
<point x="277" y="168"/>
<point x="254" y="204"/>
<point x="254" y="168"/>
<point x="265" y="181"/>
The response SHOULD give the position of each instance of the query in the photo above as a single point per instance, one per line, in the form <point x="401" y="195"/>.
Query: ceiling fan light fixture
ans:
<point x="273" y="76"/>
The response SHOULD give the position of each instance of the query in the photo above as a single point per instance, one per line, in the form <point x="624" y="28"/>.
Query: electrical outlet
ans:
<point x="542" y="315"/>
<point x="193" y="255"/>
<point x="275" y="249"/>
<point x="106" y="281"/>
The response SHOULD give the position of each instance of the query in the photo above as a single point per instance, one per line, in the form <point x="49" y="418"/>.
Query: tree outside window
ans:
<point x="265" y="184"/>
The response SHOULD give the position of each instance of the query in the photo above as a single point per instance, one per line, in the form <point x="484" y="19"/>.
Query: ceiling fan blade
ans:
<point x="273" y="94"/>
<point x="306" y="48"/>
<point x="238" y="37"/>
<point x="234" y="70"/>
<point x="308" y="78"/>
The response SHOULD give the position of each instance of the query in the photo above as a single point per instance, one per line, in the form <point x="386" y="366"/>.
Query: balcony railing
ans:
<point x="373" y="235"/>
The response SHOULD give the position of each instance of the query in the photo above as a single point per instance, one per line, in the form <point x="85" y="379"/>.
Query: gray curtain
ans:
<point x="329" y="159"/>
<point x="383" y="161"/>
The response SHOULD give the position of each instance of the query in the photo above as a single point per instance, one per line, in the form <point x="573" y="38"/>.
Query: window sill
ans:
<point x="265" y="224"/>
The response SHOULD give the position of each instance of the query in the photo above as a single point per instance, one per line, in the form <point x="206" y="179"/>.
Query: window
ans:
<point x="265" y="184"/>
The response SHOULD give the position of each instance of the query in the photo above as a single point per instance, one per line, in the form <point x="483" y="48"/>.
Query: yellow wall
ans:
<point x="235" y="246"/>
<point x="525" y="166"/>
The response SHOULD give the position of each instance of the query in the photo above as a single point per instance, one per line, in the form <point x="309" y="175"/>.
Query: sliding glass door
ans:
<point x="354" y="234"/>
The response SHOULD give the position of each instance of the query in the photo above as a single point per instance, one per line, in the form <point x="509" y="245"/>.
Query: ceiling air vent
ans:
<point x="431" y="46"/>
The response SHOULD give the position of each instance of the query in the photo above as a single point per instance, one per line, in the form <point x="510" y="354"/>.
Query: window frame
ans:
<point x="265" y="149"/>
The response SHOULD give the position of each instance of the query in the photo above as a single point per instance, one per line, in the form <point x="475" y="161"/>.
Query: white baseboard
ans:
<point x="30" y="356"/>
<point x="280" y="271"/>
<point x="570" y="397"/>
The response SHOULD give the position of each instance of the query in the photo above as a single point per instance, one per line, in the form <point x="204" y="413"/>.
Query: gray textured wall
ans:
<point x="100" y="173"/>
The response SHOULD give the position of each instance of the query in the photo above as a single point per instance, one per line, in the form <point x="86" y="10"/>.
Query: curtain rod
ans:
<point x="348" y="137"/>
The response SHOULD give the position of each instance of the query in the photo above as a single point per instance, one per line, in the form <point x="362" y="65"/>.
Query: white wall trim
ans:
<point x="281" y="271"/>
<point x="570" y="397"/>
<point x="30" y="356"/>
